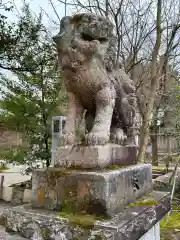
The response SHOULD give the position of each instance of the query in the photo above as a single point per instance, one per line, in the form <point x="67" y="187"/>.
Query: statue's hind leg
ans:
<point x="117" y="133"/>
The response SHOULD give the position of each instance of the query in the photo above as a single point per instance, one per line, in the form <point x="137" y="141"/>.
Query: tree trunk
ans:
<point x="152" y="92"/>
<point x="154" y="149"/>
<point x="48" y="160"/>
<point x="45" y="123"/>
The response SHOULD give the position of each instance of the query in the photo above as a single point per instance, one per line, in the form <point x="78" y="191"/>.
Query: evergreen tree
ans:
<point x="35" y="90"/>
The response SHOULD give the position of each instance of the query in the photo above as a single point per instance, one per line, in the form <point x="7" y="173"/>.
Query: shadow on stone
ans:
<point x="98" y="207"/>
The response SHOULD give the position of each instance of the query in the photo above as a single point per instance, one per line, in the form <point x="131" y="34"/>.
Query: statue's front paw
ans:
<point x="97" y="138"/>
<point x="130" y="141"/>
<point x="67" y="139"/>
<point x="118" y="136"/>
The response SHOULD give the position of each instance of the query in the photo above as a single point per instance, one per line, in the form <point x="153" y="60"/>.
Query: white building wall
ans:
<point x="152" y="234"/>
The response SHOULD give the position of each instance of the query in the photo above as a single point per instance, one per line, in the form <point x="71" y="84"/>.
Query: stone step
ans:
<point x="135" y="220"/>
<point x="38" y="224"/>
<point x="158" y="172"/>
<point x="155" y="175"/>
<point x="14" y="237"/>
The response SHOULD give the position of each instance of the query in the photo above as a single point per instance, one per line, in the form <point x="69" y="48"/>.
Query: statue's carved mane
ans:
<point x="110" y="55"/>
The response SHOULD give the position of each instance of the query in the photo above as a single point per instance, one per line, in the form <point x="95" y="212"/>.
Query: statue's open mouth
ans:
<point x="89" y="38"/>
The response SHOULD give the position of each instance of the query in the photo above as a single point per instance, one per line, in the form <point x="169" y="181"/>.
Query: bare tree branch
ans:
<point x="50" y="1"/>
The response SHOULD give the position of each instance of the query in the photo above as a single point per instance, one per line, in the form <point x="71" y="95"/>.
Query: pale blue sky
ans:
<point x="37" y="5"/>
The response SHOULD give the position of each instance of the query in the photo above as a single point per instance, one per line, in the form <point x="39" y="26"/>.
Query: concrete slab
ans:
<point x="13" y="178"/>
<point x="7" y="193"/>
<point x="27" y="195"/>
<point x="3" y="234"/>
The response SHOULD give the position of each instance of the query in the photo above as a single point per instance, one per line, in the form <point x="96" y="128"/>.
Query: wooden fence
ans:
<point x="165" y="144"/>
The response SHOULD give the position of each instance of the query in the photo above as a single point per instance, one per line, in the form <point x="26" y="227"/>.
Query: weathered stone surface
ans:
<point x="131" y="224"/>
<point x="87" y="54"/>
<point x="164" y="183"/>
<point x="103" y="192"/>
<point x="153" y="233"/>
<point x="39" y="226"/>
<point x="136" y="221"/>
<point x="6" y="236"/>
<point x="95" y="156"/>
<point x="17" y="196"/>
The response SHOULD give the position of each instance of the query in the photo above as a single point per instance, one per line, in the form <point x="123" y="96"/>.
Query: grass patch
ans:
<point x="172" y="227"/>
<point x="173" y="220"/>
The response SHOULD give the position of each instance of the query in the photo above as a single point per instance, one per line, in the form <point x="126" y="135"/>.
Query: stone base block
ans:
<point x="99" y="192"/>
<point x="95" y="156"/>
<point x="136" y="221"/>
<point x="131" y="224"/>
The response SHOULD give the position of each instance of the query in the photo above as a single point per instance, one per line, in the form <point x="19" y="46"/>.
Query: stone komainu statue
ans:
<point x="87" y="55"/>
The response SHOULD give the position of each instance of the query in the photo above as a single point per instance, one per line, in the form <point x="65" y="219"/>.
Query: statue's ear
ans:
<point x="76" y="19"/>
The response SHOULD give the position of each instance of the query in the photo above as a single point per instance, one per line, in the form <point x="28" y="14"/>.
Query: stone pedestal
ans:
<point x="136" y="221"/>
<point x="97" y="192"/>
<point x="94" y="157"/>
<point x="133" y="223"/>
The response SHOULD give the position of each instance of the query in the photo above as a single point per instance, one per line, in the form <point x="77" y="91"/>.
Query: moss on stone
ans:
<point x="158" y="168"/>
<point x="161" y="169"/>
<point x="78" y="214"/>
<point x="68" y="206"/>
<point x="59" y="172"/>
<point x="143" y="202"/>
<point x="52" y="174"/>
<point x="83" y="220"/>
<point x="45" y="232"/>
